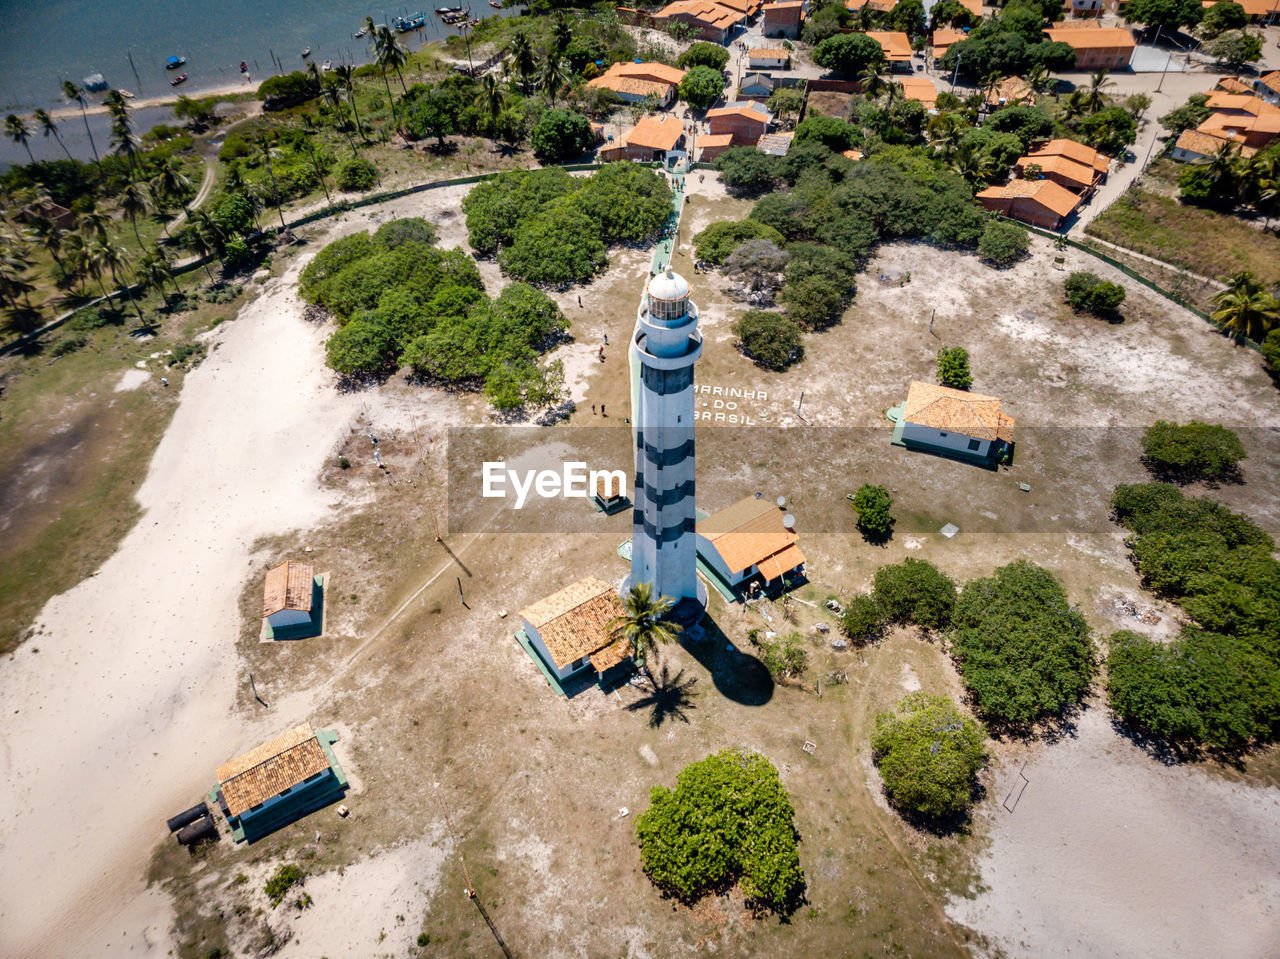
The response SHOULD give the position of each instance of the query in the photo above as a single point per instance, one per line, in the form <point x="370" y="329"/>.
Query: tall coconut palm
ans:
<point x="267" y="152"/>
<point x="170" y="184"/>
<point x="117" y="260"/>
<point x="391" y="53"/>
<point x="1245" y="307"/>
<point x="383" y="62"/>
<point x="551" y="77"/>
<point x="492" y="99"/>
<point x="346" y="76"/>
<point x="973" y="166"/>
<point x="123" y="139"/>
<point x="641" y="624"/>
<point x="523" y="59"/>
<point x="308" y="141"/>
<point x="16" y="129"/>
<point x="196" y="241"/>
<point x="15" y="263"/>
<point x="94" y="223"/>
<point x="1095" y="95"/>
<point x="154" y="272"/>
<point x="945" y="131"/>
<point x="49" y="128"/>
<point x="49" y="237"/>
<point x="133" y="203"/>
<point x="71" y="91"/>
<point x="93" y="258"/>
<point x="871" y="81"/>
<point x="561" y="34"/>
<point x="1075" y="106"/>
<point x="892" y="93"/>
<point x="1040" y="80"/>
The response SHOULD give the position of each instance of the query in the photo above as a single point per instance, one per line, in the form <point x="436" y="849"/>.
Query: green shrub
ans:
<point x="770" y="339"/>
<point x="332" y="260"/>
<point x="1271" y="350"/>
<point x="556" y="248"/>
<point x="953" y="368"/>
<point x="716" y="242"/>
<point x="703" y="54"/>
<point x="356" y="175"/>
<point x="701" y="87"/>
<point x="1003" y="244"/>
<point x="917" y="592"/>
<point x="783" y="656"/>
<point x="395" y="233"/>
<point x="1089" y="293"/>
<point x="1200" y="690"/>
<point x="848" y="53"/>
<point x="873" y="504"/>
<point x="560" y="134"/>
<point x="746" y="171"/>
<point x="863" y="619"/>
<point x="69" y="345"/>
<point x="281" y="881"/>
<point x="361" y="348"/>
<point x="288" y="90"/>
<point x="1023" y="651"/>
<point x="1193" y="451"/>
<point x="929" y="754"/>
<point x="728" y="819"/>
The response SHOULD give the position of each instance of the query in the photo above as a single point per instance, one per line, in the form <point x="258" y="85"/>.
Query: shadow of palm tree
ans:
<point x="671" y="698"/>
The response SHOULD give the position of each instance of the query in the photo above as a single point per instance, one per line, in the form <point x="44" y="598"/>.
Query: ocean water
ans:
<point x="43" y="42"/>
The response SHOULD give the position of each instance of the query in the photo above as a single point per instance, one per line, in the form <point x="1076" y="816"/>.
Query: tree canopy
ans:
<point x="701" y="87"/>
<point x="1166" y="14"/>
<point x="560" y="134"/>
<point x="929" y="754"/>
<point x="1023" y="651"/>
<point x="717" y="241"/>
<point x="770" y="339"/>
<point x="1191" y="451"/>
<point x="848" y="53"/>
<point x="873" y="505"/>
<point x="915" y="592"/>
<point x="728" y="819"/>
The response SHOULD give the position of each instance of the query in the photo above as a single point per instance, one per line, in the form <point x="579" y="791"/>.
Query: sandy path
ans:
<point x="120" y="708"/>
<point x="1108" y="853"/>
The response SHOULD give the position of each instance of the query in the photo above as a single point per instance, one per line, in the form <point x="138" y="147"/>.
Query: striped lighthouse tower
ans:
<point x="664" y="348"/>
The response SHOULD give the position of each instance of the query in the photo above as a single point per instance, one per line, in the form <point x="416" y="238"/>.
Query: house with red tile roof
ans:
<point x="748" y="539"/>
<point x="1041" y="203"/>
<point x="570" y="629"/>
<point x="953" y="422"/>
<point x="747" y="123"/>
<point x="632" y="82"/>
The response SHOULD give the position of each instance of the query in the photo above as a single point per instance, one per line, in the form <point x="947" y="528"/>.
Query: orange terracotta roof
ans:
<point x="701" y="11"/>
<point x="611" y="655"/>
<point x="942" y="408"/>
<point x="1079" y="174"/>
<point x="783" y="5"/>
<point x="1073" y="151"/>
<point x="1195" y="141"/>
<point x="288" y="586"/>
<point x="779" y="564"/>
<point x="895" y="44"/>
<point x="1271" y="81"/>
<point x="1232" y="85"/>
<point x="1092" y="39"/>
<point x="1237" y="127"/>
<point x="644" y="78"/>
<point x="920" y="89"/>
<point x="853" y="154"/>
<point x="739" y="110"/>
<point x="1252" y="8"/>
<point x="749" y="532"/>
<point x="655" y="133"/>
<point x="745" y="7"/>
<point x="764" y="53"/>
<point x="575" y="621"/>
<point x="943" y="37"/>
<point x="973" y="6"/>
<point x="635" y="86"/>
<point x="1051" y="196"/>
<point x="1240" y="103"/>
<point x="881" y="6"/>
<point x="1011" y="90"/>
<point x="270" y="769"/>
<point x="715" y="140"/>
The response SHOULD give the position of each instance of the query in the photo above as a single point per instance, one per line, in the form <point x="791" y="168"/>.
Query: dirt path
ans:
<point x="122" y="698"/>
<point x="206" y="187"/>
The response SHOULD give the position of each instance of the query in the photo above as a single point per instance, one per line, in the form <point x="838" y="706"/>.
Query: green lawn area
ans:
<point x="1205" y="242"/>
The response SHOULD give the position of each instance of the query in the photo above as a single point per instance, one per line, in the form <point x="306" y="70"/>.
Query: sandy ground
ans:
<point x="1108" y="853"/>
<point x="120" y="701"/>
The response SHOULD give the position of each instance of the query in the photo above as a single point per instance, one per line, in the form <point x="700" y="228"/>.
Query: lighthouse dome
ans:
<point x="668" y="295"/>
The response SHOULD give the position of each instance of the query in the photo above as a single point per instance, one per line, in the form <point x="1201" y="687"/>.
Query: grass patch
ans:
<point x="1211" y="244"/>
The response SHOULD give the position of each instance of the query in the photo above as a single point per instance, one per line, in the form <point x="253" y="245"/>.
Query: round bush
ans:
<point x="873" y="504"/>
<point x="409" y="229"/>
<point x="560" y="134"/>
<point x="1002" y="244"/>
<point x="929" y="754"/>
<point x="915" y="591"/>
<point x="1192" y="451"/>
<point x="356" y="175"/>
<point x="770" y="339"/>
<point x="863" y="619"/>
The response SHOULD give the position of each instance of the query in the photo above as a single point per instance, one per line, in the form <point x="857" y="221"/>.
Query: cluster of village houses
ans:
<point x="751" y="545"/>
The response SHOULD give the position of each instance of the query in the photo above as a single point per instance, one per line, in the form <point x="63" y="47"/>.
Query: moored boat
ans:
<point x="174" y="62"/>
<point x="495" y="4"/>
<point x="327" y="66"/>
<point x="306" y="53"/>
<point x="443" y="10"/>
<point x="180" y="78"/>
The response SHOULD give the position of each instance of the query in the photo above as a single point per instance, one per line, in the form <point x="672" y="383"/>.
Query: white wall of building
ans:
<point x="562" y="674"/>
<point x="947" y="439"/>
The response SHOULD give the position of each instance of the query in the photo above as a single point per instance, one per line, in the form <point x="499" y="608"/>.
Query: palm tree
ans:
<point x="1220" y="165"/>
<point x="391" y="53"/>
<point x="1040" y="80"/>
<point x="523" y="59"/>
<point x="551" y="76"/>
<point x="1076" y="106"/>
<point x="944" y="134"/>
<point x="116" y="259"/>
<point x="383" y="62"/>
<point x="973" y="166"/>
<point x="345" y="75"/>
<point x="308" y="141"/>
<point x="990" y="86"/>
<point x="267" y="151"/>
<point x="93" y="258"/>
<point x="50" y="237"/>
<point x="72" y="92"/>
<point x="1095" y="95"/>
<point x="122" y="136"/>
<point x="1245" y="308"/>
<point x="154" y="272"/>
<point x="50" y="128"/>
<point x="196" y="241"/>
<point x="15" y="262"/>
<point x="642" y="624"/>
<point x="169" y="185"/>
<point x="94" y="223"/>
<point x="133" y="201"/>
<point x="871" y="81"/>
<point x="15" y="128"/>
<point x="892" y="93"/>
<point x="492" y="99"/>
<point x="561" y="34"/>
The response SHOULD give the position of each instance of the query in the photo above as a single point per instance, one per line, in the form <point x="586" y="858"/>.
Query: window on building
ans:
<point x="974" y="444"/>
<point x="940" y="433"/>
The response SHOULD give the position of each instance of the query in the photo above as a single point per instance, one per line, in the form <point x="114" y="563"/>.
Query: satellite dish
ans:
<point x="782" y="501"/>
<point x="789" y="521"/>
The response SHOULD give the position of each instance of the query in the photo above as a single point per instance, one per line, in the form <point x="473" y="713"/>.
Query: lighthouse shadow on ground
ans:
<point x="737" y="675"/>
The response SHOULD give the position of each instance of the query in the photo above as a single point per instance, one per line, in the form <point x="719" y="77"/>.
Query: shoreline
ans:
<point x="144" y="103"/>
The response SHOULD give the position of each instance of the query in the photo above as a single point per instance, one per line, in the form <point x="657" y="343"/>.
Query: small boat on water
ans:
<point x="95" y="82"/>
<point x="174" y="62"/>
<point x="327" y="66"/>
<point x="404" y="25"/>
<point x="306" y="53"/>
<point x="180" y="78"/>
<point x="495" y="4"/>
<point x="360" y="33"/>
<point x="443" y="10"/>
<point x="244" y="67"/>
